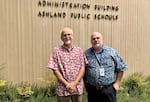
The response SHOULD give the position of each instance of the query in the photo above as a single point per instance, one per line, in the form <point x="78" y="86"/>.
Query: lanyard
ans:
<point x="97" y="59"/>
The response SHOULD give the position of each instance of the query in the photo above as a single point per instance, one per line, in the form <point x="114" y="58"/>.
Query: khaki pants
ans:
<point x="73" y="98"/>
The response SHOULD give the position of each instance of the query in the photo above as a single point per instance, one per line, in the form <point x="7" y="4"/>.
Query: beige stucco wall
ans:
<point x="26" y="39"/>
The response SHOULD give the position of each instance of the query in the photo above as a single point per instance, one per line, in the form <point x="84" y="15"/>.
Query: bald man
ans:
<point x="103" y="72"/>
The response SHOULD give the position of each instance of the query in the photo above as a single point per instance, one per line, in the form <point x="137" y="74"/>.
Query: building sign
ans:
<point x="50" y="9"/>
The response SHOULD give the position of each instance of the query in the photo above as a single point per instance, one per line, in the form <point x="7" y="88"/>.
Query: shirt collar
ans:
<point x="100" y="51"/>
<point x="65" y="48"/>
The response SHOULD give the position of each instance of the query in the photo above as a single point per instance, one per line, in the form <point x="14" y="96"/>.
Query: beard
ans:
<point x="97" y="46"/>
<point x="67" y="42"/>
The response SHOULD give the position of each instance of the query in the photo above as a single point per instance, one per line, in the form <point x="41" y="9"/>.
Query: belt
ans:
<point x="100" y="87"/>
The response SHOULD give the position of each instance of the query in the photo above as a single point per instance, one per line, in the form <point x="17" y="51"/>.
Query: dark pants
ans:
<point x="105" y="94"/>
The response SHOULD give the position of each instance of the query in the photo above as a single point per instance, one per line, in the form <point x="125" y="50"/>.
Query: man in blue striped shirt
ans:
<point x="104" y="71"/>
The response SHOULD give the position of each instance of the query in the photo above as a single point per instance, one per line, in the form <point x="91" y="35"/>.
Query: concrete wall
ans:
<point x="29" y="29"/>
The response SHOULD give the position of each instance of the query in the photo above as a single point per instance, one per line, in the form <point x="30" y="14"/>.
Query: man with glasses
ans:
<point x="103" y="72"/>
<point x="68" y="64"/>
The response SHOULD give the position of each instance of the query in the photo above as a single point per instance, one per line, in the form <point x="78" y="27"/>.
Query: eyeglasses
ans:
<point x="66" y="35"/>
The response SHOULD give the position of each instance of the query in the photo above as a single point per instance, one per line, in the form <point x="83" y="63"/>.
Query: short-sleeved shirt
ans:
<point x="107" y="59"/>
<point x="69" y="64"/>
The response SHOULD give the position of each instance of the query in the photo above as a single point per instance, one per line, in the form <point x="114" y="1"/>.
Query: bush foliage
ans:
<point x="135" y="88"/>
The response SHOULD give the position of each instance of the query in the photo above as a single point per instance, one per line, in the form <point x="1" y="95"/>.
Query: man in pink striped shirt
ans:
<point x="68" y="64"/>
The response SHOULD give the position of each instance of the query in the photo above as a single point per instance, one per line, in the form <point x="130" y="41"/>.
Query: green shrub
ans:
<point x="136" y="88"/>
<point x="135" y="84"/>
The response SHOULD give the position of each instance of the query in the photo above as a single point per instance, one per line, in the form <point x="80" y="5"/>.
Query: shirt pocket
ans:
<point x="92" y="63"/>
<point x="107" y="62"/>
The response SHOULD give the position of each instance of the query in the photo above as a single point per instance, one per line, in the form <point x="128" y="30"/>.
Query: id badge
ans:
<point x="102" y="72"/>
